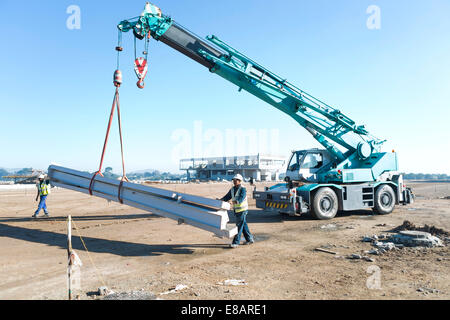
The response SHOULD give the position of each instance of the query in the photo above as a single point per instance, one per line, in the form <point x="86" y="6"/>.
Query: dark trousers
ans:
<point x="241" y="223"/>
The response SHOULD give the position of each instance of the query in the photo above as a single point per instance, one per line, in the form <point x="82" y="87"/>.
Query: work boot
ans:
<point x="233" y="246"/>
<point x="47" y="215"/>
<point x="249" y="242"/>
<point x="34" y="215"/>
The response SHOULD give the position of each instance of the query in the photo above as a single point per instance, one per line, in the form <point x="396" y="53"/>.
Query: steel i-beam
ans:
<point x="207" y="214"/>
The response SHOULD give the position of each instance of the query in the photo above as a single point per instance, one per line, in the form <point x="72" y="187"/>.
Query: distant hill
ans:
<point x="148" y="174"/>
<point x="25" y="175"/>
<point x="10" y="170"/>
<point x="142" y="171"/>
<point x="3" y="172"/>
<point x="151" y="174"/>
<point x="155" y="175"/>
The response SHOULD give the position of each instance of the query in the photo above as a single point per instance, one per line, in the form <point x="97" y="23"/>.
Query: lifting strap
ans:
<point x="115" y="105"/>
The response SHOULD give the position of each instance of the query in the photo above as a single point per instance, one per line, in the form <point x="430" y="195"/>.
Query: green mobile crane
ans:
<point x="350" y="173"/>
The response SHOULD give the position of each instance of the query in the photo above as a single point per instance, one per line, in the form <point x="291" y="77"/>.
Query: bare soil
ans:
<point x="133" y="250"/>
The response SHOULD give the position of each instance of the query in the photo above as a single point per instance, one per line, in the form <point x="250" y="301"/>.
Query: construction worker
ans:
<point x="238" y="196"/>
<point x="43" y="187"/>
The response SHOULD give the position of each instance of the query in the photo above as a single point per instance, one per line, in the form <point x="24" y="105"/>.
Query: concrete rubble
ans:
<point x="425" y="290"/>
<point x="403" y="237"/>
<point x="355" y="256"/>
<point x="416" y="239"/>
<point x="104" y="291"/>
<point x="407" y="225"/>
<point x="133" y="295"/>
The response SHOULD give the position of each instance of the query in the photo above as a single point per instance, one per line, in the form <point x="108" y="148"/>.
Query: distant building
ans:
<point x="259" y="167"/>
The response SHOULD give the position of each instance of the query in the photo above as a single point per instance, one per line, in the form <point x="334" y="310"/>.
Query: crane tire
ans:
<point x="325" y="204"/>
<point x="384" y="199"/>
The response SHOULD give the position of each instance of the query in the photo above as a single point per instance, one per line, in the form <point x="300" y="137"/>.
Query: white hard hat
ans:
<point x="238" y="177"/>
<point x="41" y="176"/>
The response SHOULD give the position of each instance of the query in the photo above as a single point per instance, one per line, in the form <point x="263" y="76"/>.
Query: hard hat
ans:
<point x="41" y="176"/>
<point x="238" y="177"/>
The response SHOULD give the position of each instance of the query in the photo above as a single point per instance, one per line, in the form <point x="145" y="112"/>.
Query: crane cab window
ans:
<point x="312" y="161"/>
<point x="294" y="162"/>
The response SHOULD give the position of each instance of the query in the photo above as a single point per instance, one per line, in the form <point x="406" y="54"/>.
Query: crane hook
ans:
<point x="141" y="68"/>
<point x="140" y="84"/>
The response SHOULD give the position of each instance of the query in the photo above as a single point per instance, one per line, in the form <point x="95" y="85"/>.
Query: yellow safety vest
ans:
<point x="239" y="207"/>
<point x="43" y="189"/>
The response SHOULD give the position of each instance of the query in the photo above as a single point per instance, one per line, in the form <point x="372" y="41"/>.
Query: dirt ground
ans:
<point x="134" y="250"/>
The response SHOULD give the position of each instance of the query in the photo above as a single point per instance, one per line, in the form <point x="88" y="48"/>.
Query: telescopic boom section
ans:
<point x="328" y="125"/>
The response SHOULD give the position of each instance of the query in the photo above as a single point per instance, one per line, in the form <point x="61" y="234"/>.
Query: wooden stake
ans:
<point x="69" y="254"/>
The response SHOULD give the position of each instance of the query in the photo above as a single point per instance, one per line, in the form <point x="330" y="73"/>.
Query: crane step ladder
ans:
<point x="204" y="213"/>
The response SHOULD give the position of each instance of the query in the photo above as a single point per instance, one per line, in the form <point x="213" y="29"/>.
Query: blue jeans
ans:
<point x="241" y="223"/>
<point x="42" y="205"/>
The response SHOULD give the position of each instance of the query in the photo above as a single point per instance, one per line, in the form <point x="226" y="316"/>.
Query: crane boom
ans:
<point x="350" y="174"/>
<point x="319" y="118"/>
<point x="350" y="145"/>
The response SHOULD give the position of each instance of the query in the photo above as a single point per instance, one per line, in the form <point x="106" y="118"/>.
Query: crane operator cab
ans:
<point x="305" y="191"/>
<point x="304" y="165"/>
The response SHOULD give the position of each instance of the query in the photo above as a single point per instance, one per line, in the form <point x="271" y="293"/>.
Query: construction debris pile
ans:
<point x="426" y="228"/>
<point x="407" y="235"/>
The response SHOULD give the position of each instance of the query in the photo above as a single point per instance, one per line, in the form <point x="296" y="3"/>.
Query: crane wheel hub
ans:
<point x="325" y="204"/>
<point x="386" y="199"/>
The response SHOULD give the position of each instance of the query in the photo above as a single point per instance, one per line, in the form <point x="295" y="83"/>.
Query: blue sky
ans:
<point x="56" y="85"/>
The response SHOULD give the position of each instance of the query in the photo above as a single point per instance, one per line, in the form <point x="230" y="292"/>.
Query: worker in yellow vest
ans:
<point x="43" y="187"/>
<point x="238" y="196"/>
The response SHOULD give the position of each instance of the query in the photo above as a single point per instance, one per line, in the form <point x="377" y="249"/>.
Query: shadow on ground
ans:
<point x="260" y="216"/>
<point x="254" y="216"/>
<point x="122" y="248"/>
<point x="81" y="218"/>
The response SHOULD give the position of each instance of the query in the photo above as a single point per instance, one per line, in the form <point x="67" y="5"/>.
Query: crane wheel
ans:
<point x="325" y="204"/>
<point x="384" y="200"/>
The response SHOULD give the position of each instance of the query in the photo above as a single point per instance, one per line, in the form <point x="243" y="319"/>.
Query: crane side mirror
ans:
<point x="289" y="182"/>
